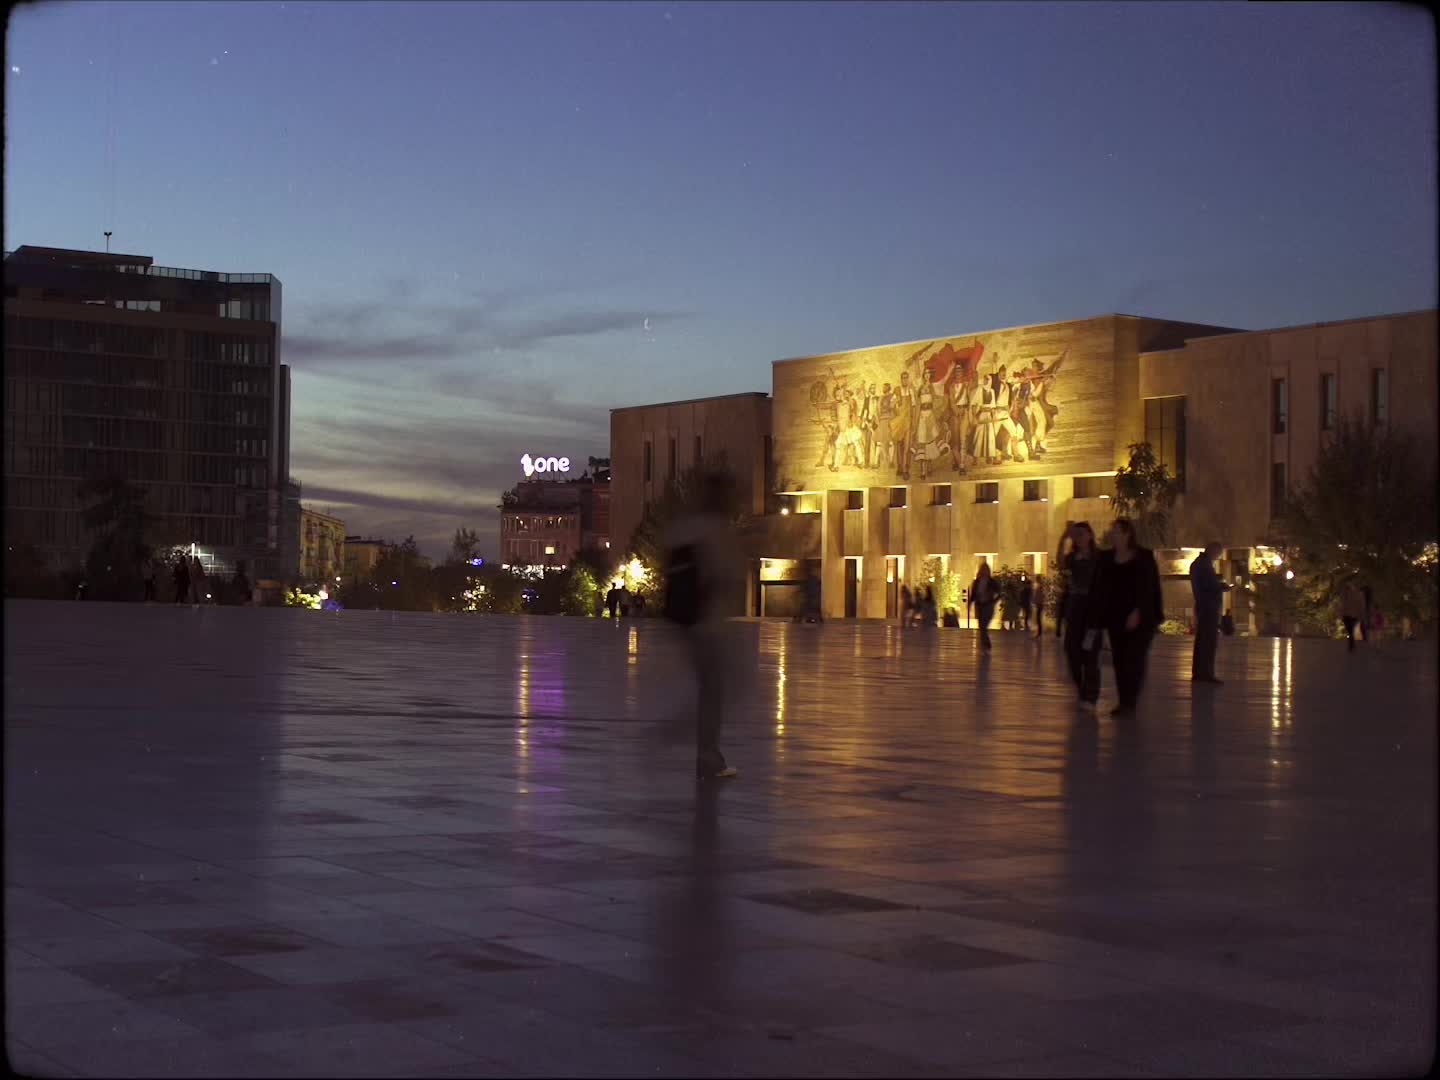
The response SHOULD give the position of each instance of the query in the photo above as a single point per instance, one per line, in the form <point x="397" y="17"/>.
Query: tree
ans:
<point x="680" y="497"/>
<point x="115" y="515"/>
<point x="1145" y="492"/>
<point x="1011" y="580"/>
<point x="27" y="572"/>
<point x="464" y="546"/>
<point x="1367" y="508"/>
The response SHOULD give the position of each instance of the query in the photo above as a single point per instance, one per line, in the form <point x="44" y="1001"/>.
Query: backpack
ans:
<point x="683" y="601"/>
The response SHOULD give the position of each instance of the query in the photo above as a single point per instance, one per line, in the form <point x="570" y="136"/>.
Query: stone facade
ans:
<point x="982" y="446"/>
<point x="322" y="547"/>
<point x="650" y="444"/>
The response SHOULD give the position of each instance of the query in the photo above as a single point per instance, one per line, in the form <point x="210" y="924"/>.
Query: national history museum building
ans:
<point x="887" y="465"/>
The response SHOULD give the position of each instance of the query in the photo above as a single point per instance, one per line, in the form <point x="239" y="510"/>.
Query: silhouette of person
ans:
<point x="704" y="553"/>
<point x="197" y="580"/>
<point x="1353" y="610"/>
<point x="1209" y="592"/>
<point x="240" y="585"/>
<point x="1126" y="604"/>
<point x="984" y="594"/>
<point x="182" y="580"/>
<point x="1080" y="564"/>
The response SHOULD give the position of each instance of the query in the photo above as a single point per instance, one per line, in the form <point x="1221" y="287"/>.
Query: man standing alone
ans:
<point x="1209" y="592"/>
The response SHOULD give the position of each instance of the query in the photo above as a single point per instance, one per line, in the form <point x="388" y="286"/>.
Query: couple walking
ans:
<point x="1114" y="592"/>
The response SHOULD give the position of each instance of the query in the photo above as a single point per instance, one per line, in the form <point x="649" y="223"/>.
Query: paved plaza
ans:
<point x="252" y="842"/>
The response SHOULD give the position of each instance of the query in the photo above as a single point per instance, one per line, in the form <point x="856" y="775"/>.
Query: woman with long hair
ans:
<point x="1062" y="550"/>
<point x="1126" y="604"/>
<point x="1079" y="565"/>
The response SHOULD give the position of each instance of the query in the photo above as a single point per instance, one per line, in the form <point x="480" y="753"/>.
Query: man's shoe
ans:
<point x="1122" y="710"/>
<point x="1212" y="681"/>
<point x="722" y="774"/>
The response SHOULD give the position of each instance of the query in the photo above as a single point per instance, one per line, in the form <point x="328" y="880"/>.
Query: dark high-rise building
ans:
<point x="168" y="378"/>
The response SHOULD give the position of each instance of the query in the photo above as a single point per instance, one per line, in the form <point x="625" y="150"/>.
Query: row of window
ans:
<point x="537" y="522"/>
<point x="648" y="460"/>
<point x="530" y="552"/>
<point x="227" y="349"/>
<point x="138" y="466"/>
<point x="1085" y="487"/>
<point x="67" y="334"/>
<point x="1330" y="401"/>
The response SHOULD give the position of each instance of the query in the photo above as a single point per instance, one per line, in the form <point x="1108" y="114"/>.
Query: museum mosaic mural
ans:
<point x="1034" y="401"/>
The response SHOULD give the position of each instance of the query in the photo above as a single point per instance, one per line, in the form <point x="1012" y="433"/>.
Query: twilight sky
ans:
<point x="494" y="222"/>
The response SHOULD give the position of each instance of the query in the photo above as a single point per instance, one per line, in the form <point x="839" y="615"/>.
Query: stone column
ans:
<point x="832" y="553"/>
<point x="872" y="569"/>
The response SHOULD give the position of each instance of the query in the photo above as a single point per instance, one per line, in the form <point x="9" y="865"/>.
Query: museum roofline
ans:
<point x="1302" y="326"/>
<point x="936" y="339"/>
<point x="693" y="401"/>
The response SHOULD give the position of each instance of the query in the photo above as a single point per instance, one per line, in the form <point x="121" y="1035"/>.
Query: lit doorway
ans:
<point x="852" y="586"/>
<point x="894" y="578"/>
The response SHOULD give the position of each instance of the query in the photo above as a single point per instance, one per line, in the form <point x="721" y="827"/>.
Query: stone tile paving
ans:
<point x="285" y="843"/>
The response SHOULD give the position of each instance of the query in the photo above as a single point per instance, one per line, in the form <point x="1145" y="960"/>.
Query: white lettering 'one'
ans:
<point x="543" y="464"/>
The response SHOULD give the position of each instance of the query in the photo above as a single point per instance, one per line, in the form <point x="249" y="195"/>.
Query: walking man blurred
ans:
<point x="702" y="569"/>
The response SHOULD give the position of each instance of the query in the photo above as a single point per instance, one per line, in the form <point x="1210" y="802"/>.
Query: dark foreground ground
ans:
<point x="245" y="842"/>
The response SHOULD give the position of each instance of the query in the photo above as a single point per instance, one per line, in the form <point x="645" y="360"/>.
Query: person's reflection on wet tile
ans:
<point x="1108" y="812"/>
<point x="697" y="934"/>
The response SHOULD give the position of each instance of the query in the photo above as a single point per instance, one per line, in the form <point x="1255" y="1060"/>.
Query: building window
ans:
<point x="940" y="495"/>
<point x="897" y="498"/>
<point x="1094" y="487"/>
<point x="988" y="492"/>
<point x="1165" y="432"/>
<point x="855" y="500"/>
<point x="699" y="450"/>
<point x="1277" y="488"/>
<point x="648" y="454"/>
<point x="1279" y="406"/>
<point x="1380" y="395"/>
<point x="1327" y="402"/>
<point x="1037" y="491"/>
<point x="672" y="458"/>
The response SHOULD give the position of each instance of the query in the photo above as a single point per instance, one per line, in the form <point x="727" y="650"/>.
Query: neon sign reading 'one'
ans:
<point x="544" y="464"/>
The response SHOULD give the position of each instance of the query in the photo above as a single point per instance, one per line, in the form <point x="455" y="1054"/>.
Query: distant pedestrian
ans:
<point x="928" y="614"/>
<point x="612" y="601"/>
<point x="1209" y="593"/>
<point x="624" y="602"/>
<point x="198" y="583"/>
<point x="149" y="582"/>
<point x="984" y="593"/>
<point x="1027" y="596"/>
<point x="701" y="568"/>
<point x="1080" y="562"/>
<point x="1039" y="598"/>
<point x="906" y="606"/>
<point x="181" y="575"/>
<point x="813" y="612"/>
<point x="1352" y="610"/>
<point x="240" y="585"/>
<point x="1127" y="605"/>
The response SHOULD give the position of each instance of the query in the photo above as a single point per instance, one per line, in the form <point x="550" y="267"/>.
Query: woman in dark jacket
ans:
<point x="1125" y="603"/>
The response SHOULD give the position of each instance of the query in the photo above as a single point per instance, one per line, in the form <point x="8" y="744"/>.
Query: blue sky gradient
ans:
<point x="496" y="221"/>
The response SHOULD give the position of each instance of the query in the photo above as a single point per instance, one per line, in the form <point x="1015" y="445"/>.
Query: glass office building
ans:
<point x="168" y="378"/>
